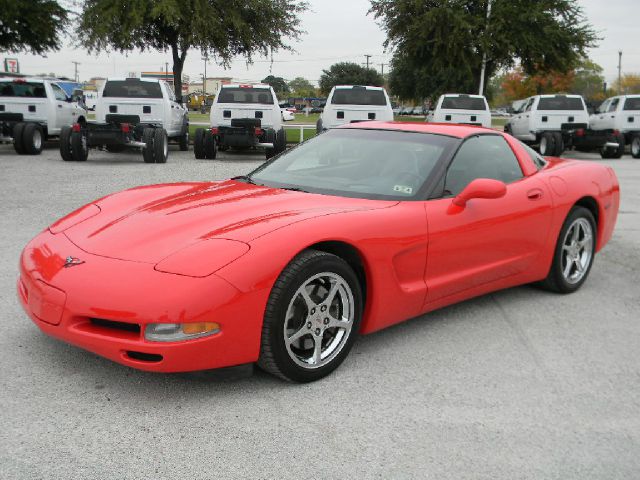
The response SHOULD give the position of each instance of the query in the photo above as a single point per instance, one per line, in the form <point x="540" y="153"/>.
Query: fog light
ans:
<point x="176" y="332"/>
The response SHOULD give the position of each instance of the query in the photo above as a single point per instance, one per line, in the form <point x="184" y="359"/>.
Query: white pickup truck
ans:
<point x="354" y="103"/>
<point x="619" y="117"/>
<point x="33" y="110"/>
<point x="130" y="112"/>
<point x="461" y="108"/>
<point x="242" y="116"/>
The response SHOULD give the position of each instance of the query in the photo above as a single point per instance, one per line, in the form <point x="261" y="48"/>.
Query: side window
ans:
<point x="529" y="104"/>
<point x="603" y="106"/>
<point x="482" y="156"/>
<point x="58" y="92"/>
<point x="170" y="93"/>
<point x="614" y="105"/>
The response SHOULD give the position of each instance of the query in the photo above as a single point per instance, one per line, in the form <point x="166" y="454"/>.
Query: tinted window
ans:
<point x="464" y="103"/>
<point x="373" y="164"/>
<point x="632" y="104"/>
<point x="132" y="88"/>
<point x="358" y="96"/>
<point x="560" y="103"/>
<point x="483" y="156"/>
<point x="260" y="96"/>
<point x="19" y="89"/>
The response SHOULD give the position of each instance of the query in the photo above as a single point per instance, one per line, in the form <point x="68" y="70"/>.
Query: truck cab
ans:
<point x="461" y="108"/>
<point x="620" y="117"/>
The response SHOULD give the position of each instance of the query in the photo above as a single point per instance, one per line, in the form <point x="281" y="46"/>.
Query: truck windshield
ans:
<point x="132" y="88"/>
<point x="358" y="96"/>
<point x="260" y="96"/>
<point x="22" y="89"/>
<point x="463" y="103"/>
<point x="560" y="103"/>
<point x="632" y="104"/>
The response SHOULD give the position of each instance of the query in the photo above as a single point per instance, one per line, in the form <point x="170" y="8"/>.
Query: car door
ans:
<point x="609" y="121"/>
<point x="596" y="120"/>
<point x="519" y="120"/>
<point x="488" y="239"/>
<point x="64" y="110"/>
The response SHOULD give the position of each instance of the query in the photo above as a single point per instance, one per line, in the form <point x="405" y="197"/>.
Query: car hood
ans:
<point x="147" y="224"/>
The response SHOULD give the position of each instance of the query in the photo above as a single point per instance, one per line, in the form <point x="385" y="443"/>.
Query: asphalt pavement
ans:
<point x="519" y="384"/>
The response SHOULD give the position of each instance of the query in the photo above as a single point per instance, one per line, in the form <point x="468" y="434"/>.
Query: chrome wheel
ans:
<point x="37" y="139"/>
<point x="165" y="147"/>
<point x="544" y="146"/>
<point x="577" y="250"/>
<point x="318" y="320"/>
<point x="635" y="147"/>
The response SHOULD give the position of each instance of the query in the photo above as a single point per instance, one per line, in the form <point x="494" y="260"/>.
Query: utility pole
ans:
<point x="166" y="70"/>
<point x="484" y="53"/>
<point x="620" y="72"/>
<point x="205" y="57"/>
<point x="367" y="57"/>
<point x="75" y="75"/>
<point x="382" y="69"/>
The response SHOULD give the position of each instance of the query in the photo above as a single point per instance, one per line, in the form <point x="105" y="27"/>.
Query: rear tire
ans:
<point x="147" y="151"/>
<point x="79" y="147"/>
<point x="160" y="145"/>
<point x="32" y="139"/>
<point x="613" y="152"/>
<point x="18" y="129"/>
<point x="198" y="144"/>
<point x="547" y="145"/>
<point x="559" y="144"/>
<point x="635" y="146"/>
<point x="210" y="145"/>
<point x="183" y="141"/>
<point x="65" y="144"/>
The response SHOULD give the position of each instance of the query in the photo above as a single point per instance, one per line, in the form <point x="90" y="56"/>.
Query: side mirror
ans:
<point x="480" y="188"/>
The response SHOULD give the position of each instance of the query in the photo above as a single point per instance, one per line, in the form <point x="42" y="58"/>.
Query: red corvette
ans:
<point x="353" y="231"/>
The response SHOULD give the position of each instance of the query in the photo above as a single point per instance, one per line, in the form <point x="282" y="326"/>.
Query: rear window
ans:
<point x="260" y="96"/>
<point x="464" y="103"/>
<point x="19" y="89"/>
<point x="132" y="89"/>
<point x="358" y="96"/>
<point x="560" y="103"/>
<point x="632" y="104"/>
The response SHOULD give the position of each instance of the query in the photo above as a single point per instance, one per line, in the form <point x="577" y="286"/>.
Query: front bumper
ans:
<point x="88" y="305"/>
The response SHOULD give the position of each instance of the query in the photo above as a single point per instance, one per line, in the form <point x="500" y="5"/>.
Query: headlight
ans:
<point x="75" y="217"/>
<point x="203" y="258"/>
<point x="176" y="332"/>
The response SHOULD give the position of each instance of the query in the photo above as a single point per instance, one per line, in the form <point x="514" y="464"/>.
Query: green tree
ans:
<point x="222" y="29"/>
<point x="589" y="81"/>
<point x="439" y="45"/>
<point x="33" y="26"/>
<point x="278" y="84"/>
<point x="346" y="73"/>
<point x="301" y="87"/>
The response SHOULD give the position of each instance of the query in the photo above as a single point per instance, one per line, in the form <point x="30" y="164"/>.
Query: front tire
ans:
<point x="18" y="130"/>
<point x="559" y="144"/>
<point x="160" y="145"/>
<point x="312" y="318"/>
<point x="79" y="147"/>
<point x="635" y="146"/>
<point x="148" y="152"/>
<point x="183" y="141"/>
<point x="210" y="145"/>
<point x="574" y="252"/>
<point x="547" y="145"/>
<point x="613" y="152"/>
<point x="65" y="144"/>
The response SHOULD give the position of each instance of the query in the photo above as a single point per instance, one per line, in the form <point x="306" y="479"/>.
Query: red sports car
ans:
<point x="353" y="231"/>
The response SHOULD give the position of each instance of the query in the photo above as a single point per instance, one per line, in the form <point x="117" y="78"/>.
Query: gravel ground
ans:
<point x="517" y="384"/>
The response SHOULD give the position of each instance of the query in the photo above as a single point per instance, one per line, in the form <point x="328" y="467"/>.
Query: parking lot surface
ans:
<point x="513" y="385"/>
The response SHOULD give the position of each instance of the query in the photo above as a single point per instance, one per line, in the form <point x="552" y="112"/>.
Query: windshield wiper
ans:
<point x="244" y="178"/>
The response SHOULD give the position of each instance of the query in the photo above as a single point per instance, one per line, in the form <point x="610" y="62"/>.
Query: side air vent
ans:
<point x="340" y="114"/>
<point x="226" y="113"/>
<point x="146" y="109"/>
<point x="113" y="109"/>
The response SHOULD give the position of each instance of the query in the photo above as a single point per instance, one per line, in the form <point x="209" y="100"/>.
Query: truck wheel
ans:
<point x="147" y="151"/>
<point x="79" y="147"/>
<point x="183" y="141"/>
<point x="65" y="144"/>
<point x="635" y="146"/>
<point x="319" y="126"/>
<point x="198" y="144"/>
<point x="621" y="144"/>
<point x="210" y="147"/>
<point x="613" y="152"/>
<point x="281" y="141"/>
<point x="160" y="145"/>
<point x="559" y="141"/>
<point x="18" y="129"/>
<point x="547" y="144"/>
<point x="32" y="139"/>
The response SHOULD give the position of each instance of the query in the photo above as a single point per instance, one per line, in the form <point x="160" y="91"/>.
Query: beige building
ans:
<point x="212" y="85"/>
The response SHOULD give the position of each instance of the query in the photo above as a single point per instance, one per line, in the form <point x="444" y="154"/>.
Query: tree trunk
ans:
<point x="178" y="65"/>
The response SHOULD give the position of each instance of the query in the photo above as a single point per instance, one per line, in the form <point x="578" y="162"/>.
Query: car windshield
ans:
<point x="261" y="96"/>
<point x="361" y="163"/>
<point x="632" y="103"/>
<point x="358" y="96"/>
<point x="464" y="103"/>
<point x="22" y="89"/>
<point x="560" y="103"/>
<point x="132" y="88"/>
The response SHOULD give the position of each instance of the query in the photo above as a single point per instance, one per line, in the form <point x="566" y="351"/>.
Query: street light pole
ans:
<point x="620" y="72"/>
<point x="484" y="53"/>
<point x="204" y="79"/>
<point x="368" y="57"/>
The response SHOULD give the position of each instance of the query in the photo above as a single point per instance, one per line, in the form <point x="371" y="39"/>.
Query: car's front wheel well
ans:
<point x="350" y="255"/>
<point x="590" y="204"/>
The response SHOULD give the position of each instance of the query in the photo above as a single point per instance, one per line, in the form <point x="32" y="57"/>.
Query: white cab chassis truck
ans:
<point x="556" y="123"/>
<point x="619" y="117"/>
<point x="130" y="113"/>
<point x="354" y="103"/>
<point x="33" y="110"/>
<point x="462" y="109"/>
<point x="242" y="116"/>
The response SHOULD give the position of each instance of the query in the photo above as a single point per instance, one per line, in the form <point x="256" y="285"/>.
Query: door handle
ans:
<point x="535" y="194"/>
<point x="59" y="106"/>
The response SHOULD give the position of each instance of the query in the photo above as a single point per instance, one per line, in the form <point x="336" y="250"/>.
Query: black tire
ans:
<point x="613" y="152"/>
<point x="556" y="281"/>
<point x="547" y="146"/>
<point x="32" y="139"/>
<point x="183" y="141"/>
<point x="270" y="137"/>
<point x="635" y="146"/>
<point x="198" y="144"/>
<point x="79" y="147"/>
<point x="65" y="144"/>
<point x="210" y="145"/>
<point x="160" y="145"/>
<point x="148" y="153"/>
<point x="559" y="144"/>
<point x="274" y="357"/>
<point x="281" y="141"/>
<point x="18" y="129"/>
<point x="319" y="126"/>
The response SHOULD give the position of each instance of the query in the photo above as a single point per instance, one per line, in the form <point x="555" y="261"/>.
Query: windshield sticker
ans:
<point x="403" y="189"/>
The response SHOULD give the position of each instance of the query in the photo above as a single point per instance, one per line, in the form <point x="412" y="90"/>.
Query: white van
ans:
<point x="354" y="103"/>
<point x="461" y="108"/>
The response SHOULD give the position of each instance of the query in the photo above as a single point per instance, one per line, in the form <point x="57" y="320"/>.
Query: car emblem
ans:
<point x="72" y="262"/>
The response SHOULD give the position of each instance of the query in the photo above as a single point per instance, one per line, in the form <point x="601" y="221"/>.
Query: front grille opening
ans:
<point x="111" y="324"/>
<point x="144" y="357"/>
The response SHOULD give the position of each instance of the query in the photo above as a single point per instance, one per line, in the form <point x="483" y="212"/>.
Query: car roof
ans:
<point x="245" y="85"/>
<point x="462" y="95"/>
<point x="132" y="79"/>
<point x="368" y="87"/>
<point x="27" y="79"/>
<point x="452" y="130"/>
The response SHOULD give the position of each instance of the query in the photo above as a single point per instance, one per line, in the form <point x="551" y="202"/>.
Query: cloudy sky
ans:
<point x="338" y="30"/>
